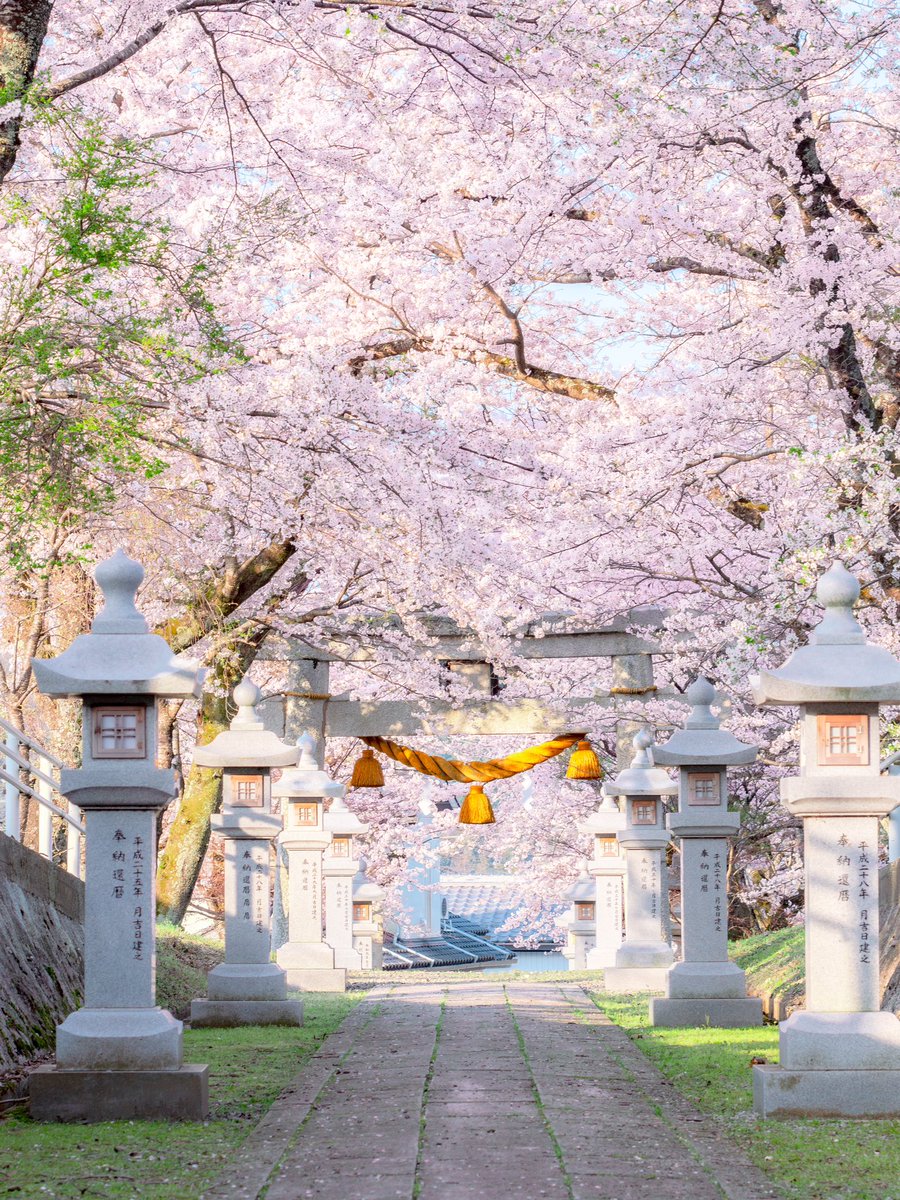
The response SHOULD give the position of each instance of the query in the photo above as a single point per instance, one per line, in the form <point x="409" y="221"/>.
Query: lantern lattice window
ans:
<point x="703" y="789"/>
<point x="119" y="731"/>
<point x="644" y="812"/>
<point x="247" y="791"/>
<point x="843" y="740"/>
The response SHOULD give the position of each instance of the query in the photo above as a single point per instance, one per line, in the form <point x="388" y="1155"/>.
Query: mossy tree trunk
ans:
<point x="23" y="27"/>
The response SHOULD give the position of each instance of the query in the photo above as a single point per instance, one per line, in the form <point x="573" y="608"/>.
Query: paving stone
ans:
<point x="371" y="1117"/>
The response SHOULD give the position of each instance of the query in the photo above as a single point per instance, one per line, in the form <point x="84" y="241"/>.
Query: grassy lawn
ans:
<point x="774" y="963"/>
<point x="809" y="1160"/>
<point x="155" y="1160"/>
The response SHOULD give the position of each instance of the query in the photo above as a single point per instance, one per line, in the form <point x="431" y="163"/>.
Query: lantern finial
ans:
<point x="246" y="696"/>
<point x="119" y="578"/>
<point x="700" y="695"/>
<point x="838" y="591"/>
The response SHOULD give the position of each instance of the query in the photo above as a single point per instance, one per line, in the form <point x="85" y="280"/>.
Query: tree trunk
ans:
<point x="23" y="27"/>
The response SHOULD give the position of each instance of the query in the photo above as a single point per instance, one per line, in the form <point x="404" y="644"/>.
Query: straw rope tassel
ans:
<point x="473" y="772"/>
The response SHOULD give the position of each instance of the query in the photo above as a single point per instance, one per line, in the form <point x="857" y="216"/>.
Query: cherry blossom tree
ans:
<point x="540" y="308"/>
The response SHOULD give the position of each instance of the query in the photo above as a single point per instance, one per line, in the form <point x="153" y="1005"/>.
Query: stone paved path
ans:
<point x="480" y="1091"/>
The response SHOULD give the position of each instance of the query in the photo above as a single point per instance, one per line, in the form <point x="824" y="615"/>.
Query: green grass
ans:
<point x="774" y="963"/>
<point x="182" y="962"/>
<point x="809" y="1160"/>
<point x="157" y="1160"/>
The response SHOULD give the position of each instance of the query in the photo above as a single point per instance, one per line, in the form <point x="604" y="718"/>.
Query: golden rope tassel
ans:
<point x="473" y="772"/>
<point x="476" y="808"/>
<point x="367" y="772"/>
<point x="584" y="763"/>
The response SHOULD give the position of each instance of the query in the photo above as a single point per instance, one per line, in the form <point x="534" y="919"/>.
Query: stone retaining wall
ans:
<point x="41" y="951"/>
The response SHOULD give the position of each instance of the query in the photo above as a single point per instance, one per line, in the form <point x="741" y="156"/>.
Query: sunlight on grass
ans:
<point x="809" y="1160"/>
<point x="154" y="1159"/>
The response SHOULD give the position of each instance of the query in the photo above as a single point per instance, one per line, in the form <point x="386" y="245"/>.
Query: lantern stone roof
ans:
<point x="584" y="887"/>
<point x="119" y="656"/>
<point x="605" y="819"/>
<point x="363" y="887"/>
<point x="642" y="778"/>
<point x="306" y="780"/>
<point x="702" y="743"/>
<point x="839" y="666"/>
<point x="340" y="820"/>
<point x="246" y="742"/>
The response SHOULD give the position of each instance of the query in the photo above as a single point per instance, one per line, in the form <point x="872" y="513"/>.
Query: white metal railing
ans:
<point x="40" y="765"/>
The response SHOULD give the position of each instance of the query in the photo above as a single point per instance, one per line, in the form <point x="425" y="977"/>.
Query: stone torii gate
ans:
<point x="307" y="705"/>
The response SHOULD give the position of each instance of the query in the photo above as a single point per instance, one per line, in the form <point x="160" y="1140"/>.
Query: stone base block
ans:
<point x="347" y="959"/>
<point x="699" y="980"/>
<point x="119" y="1039"/>
<point x="226" y="1014"/>
<point x="781" y="1093"/>
<point x="644" y="954"/>
<point x="600" y="957"/>
<point x="180" y="1095"/>
<point x="323" y="980"/>
<point x="246" y="981"/>
<point x="305" y="956"/>
<point x="635" y="979"/>
<point x="832" y="1041"/>
<point x="720" y="1013"/>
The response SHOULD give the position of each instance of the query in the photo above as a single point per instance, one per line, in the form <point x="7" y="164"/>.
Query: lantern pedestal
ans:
<point x="340" y="866"/>
<point x="339" y="876"/>
<point x="120" y="1047"/>
<point x="643" y="959"/>
<point x="308" y="962"/>
<point x="608" y="934"/>
<point x="119" y="1057"/>
<point x="246" y="989"/>
<point x="841" y="1057"/>
<point x="608" y="870"/>
<point x="700" y="994"/>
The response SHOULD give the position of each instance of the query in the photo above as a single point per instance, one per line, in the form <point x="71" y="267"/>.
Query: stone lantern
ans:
<point x="706" y="988"/>
<point x="367" y="936"/>
<point x="340" y="865"/>
<point x="248" y="988"/>
<point x="119" y="1056"/>
<point x="305" y="956"/>
<point x="608" y="869"/>
<point x="582" y="923"/>
<point x="646" y="954"/>
<point x="840" y="1057"/>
